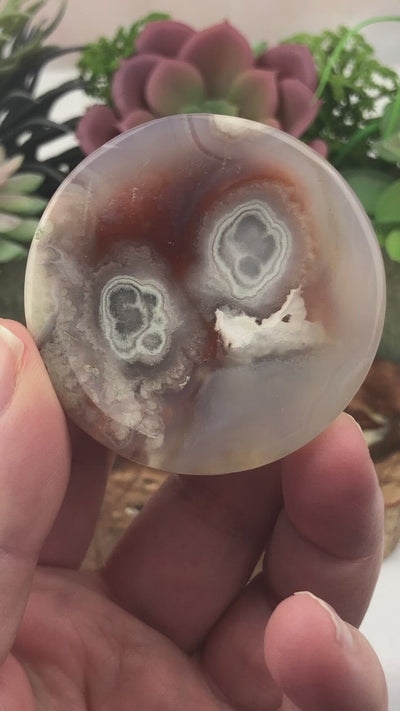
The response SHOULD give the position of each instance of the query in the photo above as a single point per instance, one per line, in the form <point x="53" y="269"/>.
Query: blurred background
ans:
<point x="85" y="21"/>
<point x="257" y="19"/>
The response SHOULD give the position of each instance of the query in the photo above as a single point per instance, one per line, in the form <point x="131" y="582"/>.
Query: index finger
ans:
<point x="192" y="549"/>
<point x="330" y="532"/>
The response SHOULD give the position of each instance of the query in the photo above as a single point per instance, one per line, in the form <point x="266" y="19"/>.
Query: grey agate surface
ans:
<point x="207" y="294"/>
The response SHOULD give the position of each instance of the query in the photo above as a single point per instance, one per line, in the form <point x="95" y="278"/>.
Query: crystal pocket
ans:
<point x="207" y="294"/>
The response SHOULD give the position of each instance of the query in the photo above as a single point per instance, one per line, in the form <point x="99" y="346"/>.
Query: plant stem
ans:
<point x="338" y="49"/>
<point x="356" y="138"/>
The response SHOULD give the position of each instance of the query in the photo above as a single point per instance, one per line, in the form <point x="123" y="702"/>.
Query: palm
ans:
<point x="171" y="621"/>
<point x="87" y="653"/>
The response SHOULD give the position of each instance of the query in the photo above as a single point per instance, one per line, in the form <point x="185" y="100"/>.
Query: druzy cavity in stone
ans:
<point x="207" y="294"/>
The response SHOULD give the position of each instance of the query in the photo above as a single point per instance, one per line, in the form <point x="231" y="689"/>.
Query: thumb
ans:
<point x="34" y="469"/>
<point x="321" y="662"/>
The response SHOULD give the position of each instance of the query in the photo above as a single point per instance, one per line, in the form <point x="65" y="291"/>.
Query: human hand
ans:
<point x="170" y="622"/>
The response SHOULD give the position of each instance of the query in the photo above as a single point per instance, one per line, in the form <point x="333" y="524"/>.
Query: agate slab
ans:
<point x="207" y="294"/>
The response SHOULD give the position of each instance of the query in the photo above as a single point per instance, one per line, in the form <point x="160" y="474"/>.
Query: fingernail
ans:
<point x="288" y="705"/>
<point x="342" y="631"/>
<point x="356" y="423"/>
<point x="11" y="352"/>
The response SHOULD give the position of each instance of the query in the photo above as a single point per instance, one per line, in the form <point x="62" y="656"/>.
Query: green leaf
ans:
<point x="219" y="106"/>
<point x="389" y="119"/>
<point x="259" y="48"/>
<point x="211" y="106"/>
<point x="23" y="183"/>
<point x="351" y="88"/>
<point x="24" y="231"/>
<point x="368" y="185"/>
<point x="22" y="34"/>
<point x="22" y="204"/>
<point x="392" y="244"/>
<point x="10" y="251"/>
<point x="381" y="234"/>
<point x="8" y="222"/>
<point x="48" y="29"/>
<point x="387" y="208"/>
<point x="9" y="167"/>
<point x="388" y="148"/>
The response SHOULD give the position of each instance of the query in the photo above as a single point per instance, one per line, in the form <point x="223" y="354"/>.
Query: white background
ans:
<point x="85" y="20"/>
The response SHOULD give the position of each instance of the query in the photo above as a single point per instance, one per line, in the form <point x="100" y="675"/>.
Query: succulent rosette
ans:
<point x="176" y="69"/>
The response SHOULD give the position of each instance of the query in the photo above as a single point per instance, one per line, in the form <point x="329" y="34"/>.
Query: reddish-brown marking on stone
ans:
<point x="164" y="210"/>
<point x="135" y="215"/>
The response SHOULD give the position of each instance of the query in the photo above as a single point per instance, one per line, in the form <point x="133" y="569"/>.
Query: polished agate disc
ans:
<point x="207" y="294"/>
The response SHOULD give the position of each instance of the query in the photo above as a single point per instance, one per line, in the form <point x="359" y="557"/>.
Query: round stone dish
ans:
<point x="207" y="294"/>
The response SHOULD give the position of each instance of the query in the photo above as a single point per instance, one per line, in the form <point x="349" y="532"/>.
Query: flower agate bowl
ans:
<point x="207" y="294"/>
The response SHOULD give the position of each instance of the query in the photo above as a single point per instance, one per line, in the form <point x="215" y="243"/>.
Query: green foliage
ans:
<point x="390" y="121"/>
<point x="380" y="196"/>
<point x="352" y="89"/>
<point x="387" y="210"/>
<point x="259" y="48"/>
<point x="387" y="146"/>
<point x="378" y="187"/>
<point x="21" y="35"/>
<point x="392" y="244"/>
<point x="359" y="119"/>
<point x="18" y="208"/>
<point x="101" y="59"/>
<point x="211" y="106"/>
<point x="25" y="126"/>
<point x="368" y="184"/>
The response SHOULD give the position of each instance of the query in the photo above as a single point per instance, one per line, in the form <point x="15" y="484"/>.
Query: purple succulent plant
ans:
<point x="178" y="70"/>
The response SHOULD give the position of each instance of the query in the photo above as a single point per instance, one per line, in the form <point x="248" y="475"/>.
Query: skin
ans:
<point x="170" y="622"/>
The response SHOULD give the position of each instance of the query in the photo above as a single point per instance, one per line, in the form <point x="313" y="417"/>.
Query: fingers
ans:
<point x="194" y="545"/>
<point x="300" y="657"/>
<point x="34" y="469"/>
<point x="328" y="539"/>
<point x="320" y="662"/>
<point x="15" y="690"/>
<point x="233" y="655"/>
<point x="192" y="549"/>
<point x="69" y="539"/>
